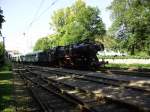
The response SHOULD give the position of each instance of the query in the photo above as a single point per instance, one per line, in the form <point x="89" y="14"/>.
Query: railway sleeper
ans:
<point x="132" y="106"/>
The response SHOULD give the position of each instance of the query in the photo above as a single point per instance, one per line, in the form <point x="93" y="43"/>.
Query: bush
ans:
<point x="6" y="67"/>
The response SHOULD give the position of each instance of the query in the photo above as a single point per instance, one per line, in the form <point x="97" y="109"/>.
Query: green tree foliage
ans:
<point x="1" y="18"/>
<point x="135" y="16"/>
<point x="108" y="41"/>
<point x="1" y="53"/>
<point x="1" y="49"/>
<point x="46" y="43"/>
<point x="73" y="24"/>
<point x="42" y="44"/>
<point x="78" y="22"/>
<point x="1" y="45"/>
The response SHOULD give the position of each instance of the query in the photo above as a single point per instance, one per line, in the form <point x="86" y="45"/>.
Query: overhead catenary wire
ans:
<point x="42" y="13"/>
<point x="37" y="11"/>
<point x="37" y="17"/>
<point x="34" y="17"/>
<point x="53" y="3"/>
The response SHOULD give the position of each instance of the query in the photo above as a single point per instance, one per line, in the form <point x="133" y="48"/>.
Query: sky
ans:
<point x="28" y="20"/>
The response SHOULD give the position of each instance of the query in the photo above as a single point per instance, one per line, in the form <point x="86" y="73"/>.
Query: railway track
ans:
<point x="86" y="100"/>
<point x="21" y="95"/>
<point x="127" y="72"/>
<point x="122" y="93"/>
<point x="61" y="93"/>
<point x="48" y="97"/>
<point x="126" y="82"/>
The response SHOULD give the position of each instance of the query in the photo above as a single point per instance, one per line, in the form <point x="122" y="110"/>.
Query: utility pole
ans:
<point x="3" y="44"/>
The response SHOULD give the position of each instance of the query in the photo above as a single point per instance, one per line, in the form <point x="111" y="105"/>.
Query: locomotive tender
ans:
<point x="80" y="55"/>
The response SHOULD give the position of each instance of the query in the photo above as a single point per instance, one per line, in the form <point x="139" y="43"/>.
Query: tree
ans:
<point x="135" y="16"/>
<point x="1" y="21"/>
<point x="1" y="54"/>
<point x="78" y="22"/>
<point x="1" y="49"/>
<point x="46" y="42"/>
<point x="1" y="18"/>
<point x="1" y="45"/>
<point x="73" y="24"/>
<point x="42" y="44"/>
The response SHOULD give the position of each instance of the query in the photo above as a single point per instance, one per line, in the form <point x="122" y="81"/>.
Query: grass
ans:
<point x="124" y="57"/>
<point x="6" y="89"/>
<point x="126" y="66"/>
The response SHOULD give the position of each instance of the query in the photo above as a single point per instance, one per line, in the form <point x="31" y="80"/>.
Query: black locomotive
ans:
<point x="80" y="55"/>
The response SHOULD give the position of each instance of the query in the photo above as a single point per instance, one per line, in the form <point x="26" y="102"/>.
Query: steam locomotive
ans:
<point x="80" y="55"/>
